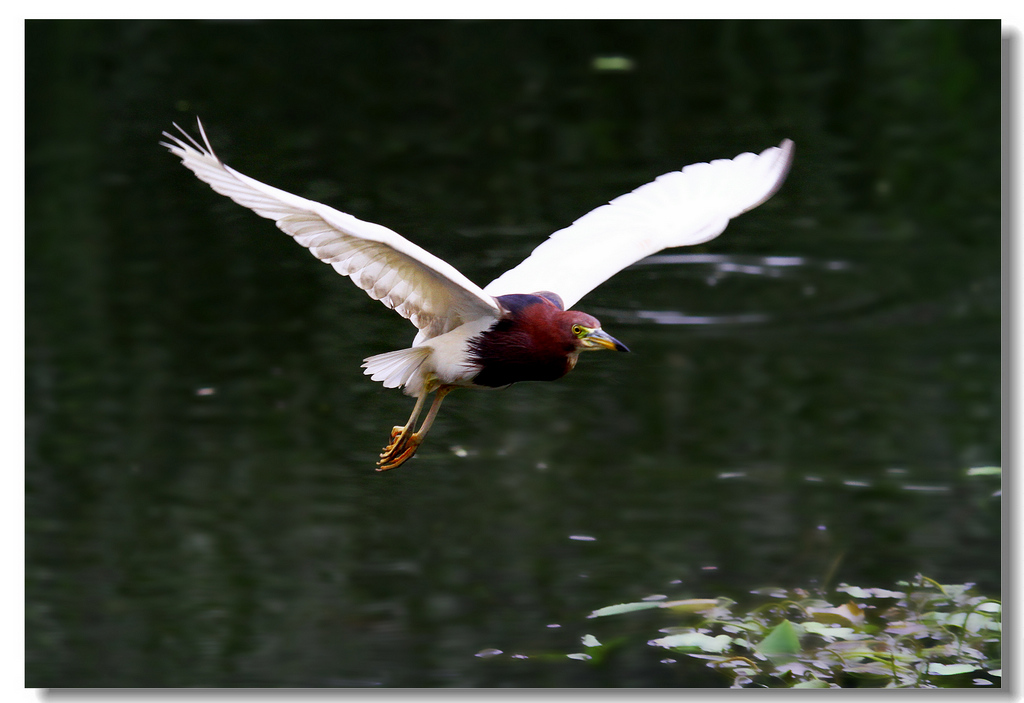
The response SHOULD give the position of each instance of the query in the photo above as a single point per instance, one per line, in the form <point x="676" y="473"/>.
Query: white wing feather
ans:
<point x="431" y="293"/>
<point x="677" y="209"/>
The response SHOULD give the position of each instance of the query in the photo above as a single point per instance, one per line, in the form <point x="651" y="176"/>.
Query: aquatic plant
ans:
<point x="925" y="635"/>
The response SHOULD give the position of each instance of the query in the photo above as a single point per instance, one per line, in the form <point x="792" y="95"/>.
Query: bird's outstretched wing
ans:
<point x="431" y="293"/>
<point x="677" y="209"/>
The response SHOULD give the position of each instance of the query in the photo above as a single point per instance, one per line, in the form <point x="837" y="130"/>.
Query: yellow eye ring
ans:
<point x="578" y="330"/>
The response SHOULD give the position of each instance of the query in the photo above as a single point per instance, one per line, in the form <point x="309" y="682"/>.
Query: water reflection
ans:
<point x="786" y="288"/>
<point x="898" y="478"/>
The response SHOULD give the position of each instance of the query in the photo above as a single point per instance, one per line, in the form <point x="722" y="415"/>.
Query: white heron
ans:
<point x="519" y="327"/>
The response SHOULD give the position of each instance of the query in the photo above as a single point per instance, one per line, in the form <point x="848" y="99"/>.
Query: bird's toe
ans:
<point x="394" y="456"/>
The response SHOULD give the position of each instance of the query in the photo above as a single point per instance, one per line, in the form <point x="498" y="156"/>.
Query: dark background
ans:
<point x="800" y="409"/>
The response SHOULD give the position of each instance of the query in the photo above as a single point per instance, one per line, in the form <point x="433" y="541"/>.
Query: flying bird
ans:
<point x="520" y="327"/>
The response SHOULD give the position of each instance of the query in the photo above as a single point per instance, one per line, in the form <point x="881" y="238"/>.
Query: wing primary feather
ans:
<point x="431" y="293"/>
<point x="679" y="208"/>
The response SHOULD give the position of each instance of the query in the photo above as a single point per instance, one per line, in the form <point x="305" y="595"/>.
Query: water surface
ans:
<point x="804" y="396"/>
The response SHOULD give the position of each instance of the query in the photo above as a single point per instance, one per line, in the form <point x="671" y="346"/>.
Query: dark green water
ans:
<point x="804" y="397"/>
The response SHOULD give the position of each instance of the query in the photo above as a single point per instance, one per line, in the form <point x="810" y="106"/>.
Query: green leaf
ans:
<point x="956" y="591"/>
<point x="950" y="669"/>
<point x="854" y="591"/>
<point x="771" y="591"/>
<point x="985" y="471"/>
<point x="623" y="608"/>
<point x="934" y="619"/>
<point x="612" y="63"/>
<point x="858" y="592"/>
<point x="813" y="683"/>
<point x="973" y="623"/>
<point x="782" y="644"/>
<point x="694" y="640"/>
<point x="846" y="614"/>
<point x="820" y="628"/>
<point x="691" y="605"/>
<point x="870" y="669"/>
<point x="902" y="628"/>
<point x="590" y="641"/>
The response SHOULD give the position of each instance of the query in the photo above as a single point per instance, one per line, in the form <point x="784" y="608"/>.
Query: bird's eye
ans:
<point x="578" y="330"/>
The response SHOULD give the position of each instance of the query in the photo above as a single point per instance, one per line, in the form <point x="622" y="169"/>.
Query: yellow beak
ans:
<point x="599" y="339"/>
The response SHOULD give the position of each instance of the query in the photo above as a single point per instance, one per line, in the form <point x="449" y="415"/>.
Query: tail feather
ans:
<point x="397" y="368"/>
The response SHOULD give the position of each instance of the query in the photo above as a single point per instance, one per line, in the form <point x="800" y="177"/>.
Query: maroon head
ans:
<point x="536" y="340"/>
<point x="585" y="332"/>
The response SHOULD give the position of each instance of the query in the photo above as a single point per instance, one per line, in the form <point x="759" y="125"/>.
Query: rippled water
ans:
<point x="772" y="289"/>
<point x="803" y="401"/>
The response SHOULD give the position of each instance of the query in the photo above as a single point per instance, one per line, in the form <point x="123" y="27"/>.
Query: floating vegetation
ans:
<point x="925" y="635"/>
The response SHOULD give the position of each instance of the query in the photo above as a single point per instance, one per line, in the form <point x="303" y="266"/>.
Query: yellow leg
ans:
<point x="399" y="432"/>
<point x="405" y="442"/>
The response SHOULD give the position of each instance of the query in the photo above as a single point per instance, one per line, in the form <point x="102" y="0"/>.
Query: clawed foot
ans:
<point x="399" y="450"/>
<point x="396" y="439"/>
<point x="404" y="442"/>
